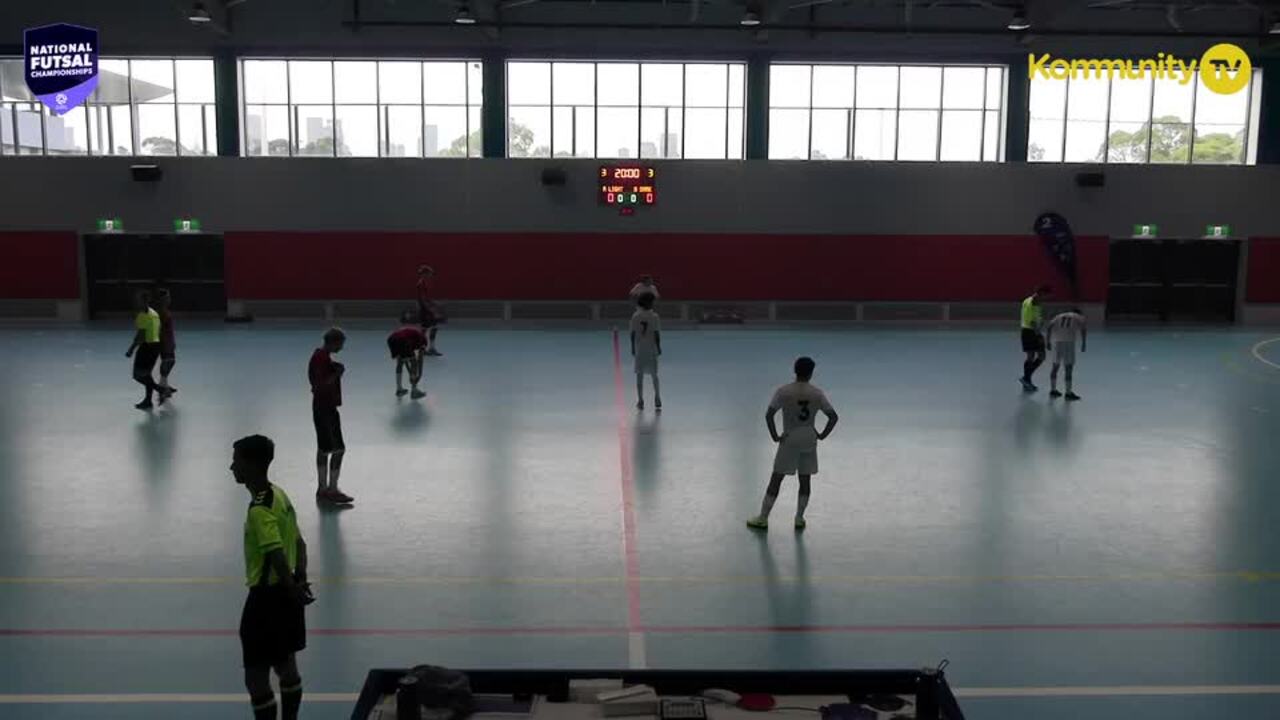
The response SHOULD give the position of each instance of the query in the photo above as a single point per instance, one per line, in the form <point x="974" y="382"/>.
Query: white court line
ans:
<point x="992" y="692"/>
<point x="637" y="657"/>
<point x="1258" y="355"/>
<point x="1118" y="690"/>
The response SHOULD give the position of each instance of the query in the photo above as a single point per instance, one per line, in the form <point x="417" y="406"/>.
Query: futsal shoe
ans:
<point x="401" y="392"/>
<point x="417" y="394"/>
<point x="758" y="523"/>
<point x="1072" y="396"/>
<point x="657" y="403"/>
<point x="144" y="405"/>
<point x="640" y="405"/>
<point x="435" y="353"/>
<point x="340" y="497"/>
<point x="800" y="524"/>
<point x="1055" y="394"/>
<point x="165" y="394"/>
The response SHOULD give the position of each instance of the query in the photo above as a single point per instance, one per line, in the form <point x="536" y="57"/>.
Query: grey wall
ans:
<point x="694" y="196"/>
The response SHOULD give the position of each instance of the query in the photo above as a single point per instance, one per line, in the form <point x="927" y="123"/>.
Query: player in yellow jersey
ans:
<point x="1032" y="337"/>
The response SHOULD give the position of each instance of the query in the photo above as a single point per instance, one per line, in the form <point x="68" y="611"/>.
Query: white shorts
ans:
<point x="646" y="364"/>
<point x="796" y="459"/>
<point x="1064" y="352"/>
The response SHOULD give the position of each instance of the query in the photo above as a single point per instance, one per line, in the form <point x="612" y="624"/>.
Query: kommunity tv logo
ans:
<point x="1223" y="68"/>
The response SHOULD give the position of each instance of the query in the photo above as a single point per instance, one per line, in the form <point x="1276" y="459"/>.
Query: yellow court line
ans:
<point x="1251" y="576"/>
<point x="1258" y="355"/>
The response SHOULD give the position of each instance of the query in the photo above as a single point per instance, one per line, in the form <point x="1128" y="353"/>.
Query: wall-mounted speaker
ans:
<point x="146" y="173"/>
<point x="1091" y="179"/>
<point x="554" y="176"/>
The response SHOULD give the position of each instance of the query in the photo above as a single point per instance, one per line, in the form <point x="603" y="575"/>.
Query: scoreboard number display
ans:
<point x="628" y="186"/>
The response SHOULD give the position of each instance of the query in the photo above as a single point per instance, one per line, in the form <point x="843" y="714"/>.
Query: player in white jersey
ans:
<point x="1065" y="331"/>
<point x="646" y="346"/>
<point x="797" y="452"/>
<point x="644" y="286"/>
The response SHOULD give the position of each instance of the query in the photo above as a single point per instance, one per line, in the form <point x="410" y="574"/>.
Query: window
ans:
<point x="1092" y="119"/>
<point x="361" y="108"/>
<point x="886" y="112"/>
<point x="142" y="106"/>
<point x="625" y="109"/>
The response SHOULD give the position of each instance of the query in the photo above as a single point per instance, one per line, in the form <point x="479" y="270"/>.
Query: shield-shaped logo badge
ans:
<point x="61" y="65"/>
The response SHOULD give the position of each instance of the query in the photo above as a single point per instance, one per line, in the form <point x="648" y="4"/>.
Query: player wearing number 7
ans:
<point x="797" y="453"/>
<point x="646" y="346"/>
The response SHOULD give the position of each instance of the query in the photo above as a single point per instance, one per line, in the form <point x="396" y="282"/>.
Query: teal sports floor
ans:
<point x="1114" y="558"/>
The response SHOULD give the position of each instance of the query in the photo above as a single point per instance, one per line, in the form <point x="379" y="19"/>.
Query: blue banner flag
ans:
<point x="61" y="65"/>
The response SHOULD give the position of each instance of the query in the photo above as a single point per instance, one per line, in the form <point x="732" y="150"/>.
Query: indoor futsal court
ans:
<point x="648" y="359"/>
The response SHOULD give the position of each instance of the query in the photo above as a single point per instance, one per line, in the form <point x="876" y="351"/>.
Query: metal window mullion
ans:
<point x="897" y="114"/>
<point x="853" y="116"/>
<point x="1248" y="118"/>
<point x="1151" y="119"/>
<point x="111" y="131"/>
<point x="377" y="101"/>
<point x="1066" y="111"/>
<point x="135" y="132"/>
<point x="1195" y="96"/>
<point x="684" y="106"/>
<point x="333" y="101"/>
<point x="177" y="123"/>
<point x="809" y="147"/>
<point x="1106" y="122"/>
<point x="291" y="113"/>
<point x="942" y="89"/>
<point x="595" y="112"/>
<point x="728" y="93"/>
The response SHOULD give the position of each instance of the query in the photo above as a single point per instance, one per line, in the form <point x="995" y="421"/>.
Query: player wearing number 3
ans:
<point x="646" y="346"/>
<point x="797" y="453"/>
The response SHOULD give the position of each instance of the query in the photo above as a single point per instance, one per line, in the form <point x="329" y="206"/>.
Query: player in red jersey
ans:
<point x="407" y="344"/>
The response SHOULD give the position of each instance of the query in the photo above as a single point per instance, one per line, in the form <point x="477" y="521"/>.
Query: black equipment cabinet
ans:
<point x="189" y="265"/>
<point x="1174" y="280"/>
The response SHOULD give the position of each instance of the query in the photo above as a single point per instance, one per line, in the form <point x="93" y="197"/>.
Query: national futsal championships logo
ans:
<point x="1224" y="68"/>
<point x="61" y="65"/>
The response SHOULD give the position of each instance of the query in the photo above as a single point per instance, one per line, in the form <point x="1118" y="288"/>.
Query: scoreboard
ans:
<point x="626" y="186"/>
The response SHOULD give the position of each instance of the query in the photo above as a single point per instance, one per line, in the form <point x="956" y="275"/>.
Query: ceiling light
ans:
<point x="1019" y="21"/>
<point x="750" y="19"/>
<point x="464" y="16"/>
<point x="199" y="14"/>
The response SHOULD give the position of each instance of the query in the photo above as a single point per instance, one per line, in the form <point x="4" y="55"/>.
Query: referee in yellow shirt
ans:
<point x="145" y="349"/>
<point x="273" y="627"/>
<point x="1032" y="338"/>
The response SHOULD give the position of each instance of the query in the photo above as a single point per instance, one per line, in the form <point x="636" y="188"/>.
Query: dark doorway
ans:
<point x="1173" y="280"/>
<point x="190" y="265"/>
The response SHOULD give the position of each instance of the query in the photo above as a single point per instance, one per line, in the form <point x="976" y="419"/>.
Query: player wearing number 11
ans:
<point x="797" y="453"/>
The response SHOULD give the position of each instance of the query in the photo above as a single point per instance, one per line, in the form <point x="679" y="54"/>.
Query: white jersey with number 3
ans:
<point x="799" y="402"/>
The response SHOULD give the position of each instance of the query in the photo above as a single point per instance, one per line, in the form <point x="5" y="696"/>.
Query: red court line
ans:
<point x="628" y="492"/>
<point x="667" y="630"/>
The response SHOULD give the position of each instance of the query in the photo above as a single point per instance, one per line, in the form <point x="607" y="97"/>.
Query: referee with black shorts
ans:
<point x="145" y="349"/>
<point x="272" y="627"/>
<point x="1032" y="316"/>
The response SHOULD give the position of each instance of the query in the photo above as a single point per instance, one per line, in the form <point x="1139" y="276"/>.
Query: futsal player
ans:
<point x="429" y="314"/>
<point x="407" y="345"/>
<point x="1065" y="329"/>
<point x="326" y="397"/>
<point x="797" y="452"/>
<point x="1032" y="340"/>
<point x="168" y="348"/>
<point x="646" y="346"/>
<point x="145" y="349"/>
<point x="273" y="624"/>
<point x="645" y="285"/>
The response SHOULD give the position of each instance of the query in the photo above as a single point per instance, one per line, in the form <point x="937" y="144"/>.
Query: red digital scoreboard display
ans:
<point x="627" y="186"/>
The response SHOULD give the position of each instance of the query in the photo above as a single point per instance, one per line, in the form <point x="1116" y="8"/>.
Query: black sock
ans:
<point x="290" y="701"/>
<point x="1028" y="367"/>
<point x="265" y="709"/>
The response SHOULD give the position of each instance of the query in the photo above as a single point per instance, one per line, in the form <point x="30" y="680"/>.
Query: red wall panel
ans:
<point x="1263" y="275"/>
<point x="349" y="265"/>
<point x="39" y="265"/>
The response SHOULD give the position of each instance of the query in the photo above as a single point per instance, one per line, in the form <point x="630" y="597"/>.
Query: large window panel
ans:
<point x="573" y="84"/>
<point x="661" y="85"/>
<point x="735" y="128"/>
<point x="1144" y="121"/>
<point x="886" y="112"/>
<point x="706" y="86"/>
<point x="356" y="130"/>
<point x="194" y="130"/>
<point x="660" y="132"/>
<point x="618" y="132"/>
<point x="67" y="134"/>
<point x="830" y="139"/>
<point x="529" y="132"/>
<point x="194" y="81"/>
<point x="157" y="130"/>
<point x="705" y="133"/>
<point x="361" y="108"/>
<point x="528" y="83"/>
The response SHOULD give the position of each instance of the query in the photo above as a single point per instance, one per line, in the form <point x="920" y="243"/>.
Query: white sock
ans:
<point x="801" y="504"/>
<point x="399" y="375"/>
<point x="766" y="507"/>
<point x="335" y="467"/>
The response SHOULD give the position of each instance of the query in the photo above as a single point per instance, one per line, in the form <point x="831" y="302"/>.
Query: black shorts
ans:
<point x="401" y="351"/>
<point x="1032" y="341"/>
<point x="168" y="352"/>
<point x="427" y="317"/>
<point x="144" y="358"/>
<point x="328" y="429"/>
<point x="272" y="627"/>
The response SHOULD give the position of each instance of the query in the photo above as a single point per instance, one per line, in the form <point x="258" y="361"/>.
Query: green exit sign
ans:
<point x="1146" y="230"/>
<point x="110" y="225"/>
<point x="1212" y="231"/>
<point x="186" y="225"/>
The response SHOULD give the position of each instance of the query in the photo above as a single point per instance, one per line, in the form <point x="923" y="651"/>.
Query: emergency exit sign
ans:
<point x="108" y="225"/>
<point x="186" y="225"/>
<point x="1215" y="231"/>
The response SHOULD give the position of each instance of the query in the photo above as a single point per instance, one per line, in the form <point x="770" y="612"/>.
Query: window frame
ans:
<point x="94" y="149"/>
<point x="984" y="111"/>
<point x="640" y="106"/>
<point x="381" y="110"/>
